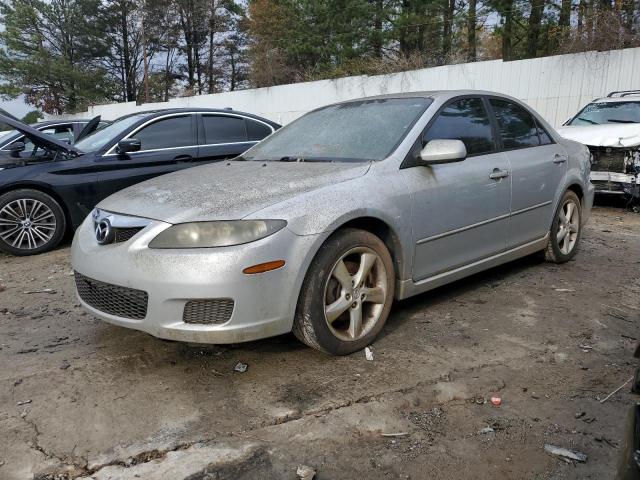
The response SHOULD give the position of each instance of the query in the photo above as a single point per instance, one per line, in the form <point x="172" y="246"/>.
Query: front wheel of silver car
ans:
<point x="347" y="293"/>
<point x="31" y="222"/>
<point x="566" y="229"/>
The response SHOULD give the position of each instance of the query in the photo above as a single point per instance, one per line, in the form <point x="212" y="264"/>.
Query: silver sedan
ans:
<point x="319" y="227"/>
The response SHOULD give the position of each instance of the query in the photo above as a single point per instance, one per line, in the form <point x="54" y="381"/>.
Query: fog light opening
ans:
<point x="264" y="267"/>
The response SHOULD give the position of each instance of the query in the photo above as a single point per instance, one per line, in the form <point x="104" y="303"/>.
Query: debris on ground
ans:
<point x="398" y="434"/>
<point x="580" y="414"/>
<point x="497" y="401"/>
<point x="615" y="391"/>
<point x="486" y="430"/>
<point x="306" y="473"/>
<point x="368" y="354"/>
<point x="24" y="402"/>
<point x="602" y="439"/>
<point x="241" y="367"/>
<point x="44" y="290"/>
<point x="565" y="453"/>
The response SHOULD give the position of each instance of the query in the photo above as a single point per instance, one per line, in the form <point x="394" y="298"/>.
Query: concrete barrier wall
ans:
<point x="555" y="86"/>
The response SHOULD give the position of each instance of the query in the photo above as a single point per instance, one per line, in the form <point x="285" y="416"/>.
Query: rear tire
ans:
<point x="566" y="229"/>
<point x="31" y="222"/>
<point x="347" y="293"/>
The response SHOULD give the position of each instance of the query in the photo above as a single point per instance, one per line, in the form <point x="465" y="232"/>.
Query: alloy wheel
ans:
<point x="568" y="227"/>
<point x="355" y="294"/>
<point x="26" y="224"/>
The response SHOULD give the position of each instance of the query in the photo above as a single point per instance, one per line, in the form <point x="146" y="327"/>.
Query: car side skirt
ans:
<point x="409" y="288"/>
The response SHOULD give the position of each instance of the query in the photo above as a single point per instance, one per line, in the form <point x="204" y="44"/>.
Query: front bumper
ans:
<point x="616" y="183"/>
<point x="264" y="304"/>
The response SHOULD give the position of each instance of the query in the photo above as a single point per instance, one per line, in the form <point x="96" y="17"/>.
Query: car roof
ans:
<point x="626" y="98"/>
<point x="164" y="111"/>
<point x="431" y="94"/>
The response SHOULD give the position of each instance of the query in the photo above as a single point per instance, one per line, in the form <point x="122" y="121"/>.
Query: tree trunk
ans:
<point x="447" y="26"/>
<point x="471" y="32"/>
<point x="565" y="14"/>
<point x="507" y="34"/>
<point x="232" y="60"/>
<point x="210" y="62"/>
<point x="377" y="29"/>
<point x="187" y="30"/>
<point x="196" y="55"/>
<point x="126" y="54"/>
<point x="533" y="36"/>
<point x="404" y="42"/>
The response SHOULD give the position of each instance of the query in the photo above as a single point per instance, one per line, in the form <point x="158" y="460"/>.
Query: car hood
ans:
<point x="38" y="138"/>
<point x="227" y="190"/>
<point x="609" y="135"/>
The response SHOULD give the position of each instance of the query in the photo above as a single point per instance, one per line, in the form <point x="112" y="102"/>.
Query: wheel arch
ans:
<point x="384" y="232"/>
<point x="577" y="189"/>
<point x="46" y="190"/>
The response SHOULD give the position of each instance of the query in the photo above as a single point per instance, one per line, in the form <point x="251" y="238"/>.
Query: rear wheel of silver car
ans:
<point x="31" y="222"/>
<point x="566" y="229"/>
<point x="347" y="293"/>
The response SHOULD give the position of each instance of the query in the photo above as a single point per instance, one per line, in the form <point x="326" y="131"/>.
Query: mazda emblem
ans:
<point x="104" y="232"/>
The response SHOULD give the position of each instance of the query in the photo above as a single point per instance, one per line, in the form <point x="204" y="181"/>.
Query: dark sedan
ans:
<point x="41" y="197"/>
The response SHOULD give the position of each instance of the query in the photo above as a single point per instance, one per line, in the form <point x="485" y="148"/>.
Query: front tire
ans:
<point x="347" y="293"/>
<point x="31" y="222"/>
<point x="566" y="229"/>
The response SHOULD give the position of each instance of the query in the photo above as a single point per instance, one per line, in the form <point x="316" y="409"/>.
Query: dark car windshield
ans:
<point x="103" y="136"/>
<point x="354" y="131"/>
<point x="600" y="113"/>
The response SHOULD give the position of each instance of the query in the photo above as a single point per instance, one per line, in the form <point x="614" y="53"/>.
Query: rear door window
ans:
<point x="256" y="131"/>
<point x="223" y="129"/>
<point x="517" y="127"/>
<point x="467" y="120"/>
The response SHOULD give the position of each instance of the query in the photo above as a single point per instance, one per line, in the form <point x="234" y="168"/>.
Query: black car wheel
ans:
<point x="566" y="229"/>
<point x="347" y="293"/>
<point x="31" y="222"/>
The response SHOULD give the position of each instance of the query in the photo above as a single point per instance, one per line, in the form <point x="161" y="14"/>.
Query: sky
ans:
<point x="16" y="107"/>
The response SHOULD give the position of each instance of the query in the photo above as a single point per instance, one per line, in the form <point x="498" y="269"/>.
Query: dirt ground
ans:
<point x="83" y="399"/>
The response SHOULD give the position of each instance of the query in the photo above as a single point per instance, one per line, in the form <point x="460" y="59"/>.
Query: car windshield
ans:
<point x="354" y="131"/>
<point x="103" y="136"/>
<point x="599" y="113"/>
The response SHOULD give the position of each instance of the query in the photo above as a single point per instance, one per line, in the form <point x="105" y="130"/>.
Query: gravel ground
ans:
<point x="82" y="399"/>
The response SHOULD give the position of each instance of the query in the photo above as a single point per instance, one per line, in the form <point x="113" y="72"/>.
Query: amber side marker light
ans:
<point x="264" y="267"/>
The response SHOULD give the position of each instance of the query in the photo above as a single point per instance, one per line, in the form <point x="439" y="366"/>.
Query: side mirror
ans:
<point x="129" y="145"/>
<point x="16" y="148"/>
<point x="442" y="151"/>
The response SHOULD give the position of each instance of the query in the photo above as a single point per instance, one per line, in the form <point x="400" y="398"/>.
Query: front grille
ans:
<point x="124" y="234"/>
<point x="608" y="186"/>
<point x="607" y="159"/>
<point x="208" y="312"/>
<point x="112" y="299"/>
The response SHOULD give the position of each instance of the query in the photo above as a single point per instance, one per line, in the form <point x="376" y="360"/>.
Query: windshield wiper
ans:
<point x="587" y="120"/>
<point x="615" y="120"/>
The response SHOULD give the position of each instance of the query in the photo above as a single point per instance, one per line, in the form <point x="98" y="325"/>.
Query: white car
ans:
<point x="610" y="127"/>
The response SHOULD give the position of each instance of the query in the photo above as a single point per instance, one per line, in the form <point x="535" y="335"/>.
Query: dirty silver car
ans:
<point x="319" y="227"/>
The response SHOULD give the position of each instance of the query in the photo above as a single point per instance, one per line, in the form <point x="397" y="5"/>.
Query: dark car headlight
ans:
<point x="216" y="234"/>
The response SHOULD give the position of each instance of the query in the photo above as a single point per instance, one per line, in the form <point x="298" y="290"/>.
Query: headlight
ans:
<point x="215" y="234"/>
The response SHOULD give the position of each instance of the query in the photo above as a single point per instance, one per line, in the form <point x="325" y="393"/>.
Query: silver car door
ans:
<point x="538" y="167"/>
<point x="460" y="211"/>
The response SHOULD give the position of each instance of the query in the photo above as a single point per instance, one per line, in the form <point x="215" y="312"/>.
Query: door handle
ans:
<point x="497" y="174"/>
<point x="183" y="158"/>
<point x="557" y="158"/>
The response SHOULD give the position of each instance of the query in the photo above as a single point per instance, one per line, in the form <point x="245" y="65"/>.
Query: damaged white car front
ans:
<point x="610" y="127"/>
